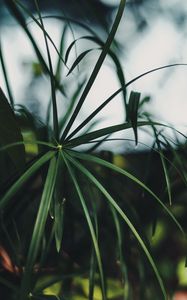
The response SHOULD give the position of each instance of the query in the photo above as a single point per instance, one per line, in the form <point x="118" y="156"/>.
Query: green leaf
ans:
<point x="6" y="77"/>
<point x="60" y="54"/>
<point x="71" y="104"/>
<point x="39" y="226"/>
<point x="122" y="89"/>
<point x="85" y="138"/>
<point x="132" y="115"/>
<point x="69" y="20"/>
<point x="111" y="166"/>
<point x="15" y="11"/>
<point x="52" y="78"/>
<point x="23" y="178"/>
<point x="79" y="59"/>
<point x="124" y="272"/>
<point x="11" y="5"/>
<point x="119" y="73"/>
<point x="59" y="217"/>
<point x="96" y="68"/>
<point x="124" y="217"/>
<point x="165" y="169"/>
<point x="89" y="221"/>
<point x="46" y="297"/>
<point x="11" y="133"/>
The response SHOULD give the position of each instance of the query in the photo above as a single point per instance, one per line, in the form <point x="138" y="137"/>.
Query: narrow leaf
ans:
<point x="124" y="217"/>
<point x="122" y="89"/>
<point x="90" y="225"/>
<point x="58" y="219"/>
<point x="132" y="113"/>
<point x="23" y="178"/>
<point x="6" y="77"/>
<point x="39" y="226"/>
<point x="52" y="78"/>
<point x="83" y="139"/>
<point x="97" y="67"/>
<point x="128" y="175"/>
<point x="79" y="59"/>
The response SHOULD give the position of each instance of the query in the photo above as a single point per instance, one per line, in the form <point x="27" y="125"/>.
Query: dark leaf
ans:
<point x="11" y="133"/>
<point x="133" y="112"/>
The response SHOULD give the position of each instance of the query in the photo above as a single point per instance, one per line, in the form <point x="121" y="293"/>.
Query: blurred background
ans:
<point x="152" y="34"/>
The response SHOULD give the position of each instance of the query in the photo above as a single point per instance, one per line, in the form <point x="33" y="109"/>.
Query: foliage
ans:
<point x="70" y="227"/>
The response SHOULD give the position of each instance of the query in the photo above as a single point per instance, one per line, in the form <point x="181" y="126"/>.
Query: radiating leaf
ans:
<point x="85" y="138"/>
<point x="89" y="221"/>
<point x="110" y="199"/>
<point x="39" y="226"/>
<point x="122" y="89"/>
<point x="96" y="68"/>
<point x="111" y="166"/>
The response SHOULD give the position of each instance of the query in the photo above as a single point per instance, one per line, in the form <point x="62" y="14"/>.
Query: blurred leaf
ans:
<point x="15" y="11"/>
<point x="132" y="115"/>
<point x="6" y="76"/>
<point x="44" y="297"/>
<point x="51" y="75"/>
<point x="144" y="101"/>
<point x="73" y="99"/>
<point x="61" y="50"/>
<point x="23" y="178"/>
<point x="11" y="133"/>
<point x="182" y="272"/>
<point x="79" y="58"/>
<point x="53" y="289"/>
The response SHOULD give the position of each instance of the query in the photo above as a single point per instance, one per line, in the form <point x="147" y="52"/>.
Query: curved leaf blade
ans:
<point x="96" y="68"/>
<point x="110" y="199"/>
<point x="109" y="165"/>
<point x="23" y="178"/>
<point x="122" y="89"/>
<point x="79" y="59"/>
<point x="90" y="225"/>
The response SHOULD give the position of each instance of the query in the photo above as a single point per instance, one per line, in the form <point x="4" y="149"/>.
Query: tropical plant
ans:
<point x="65" y="231"/>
